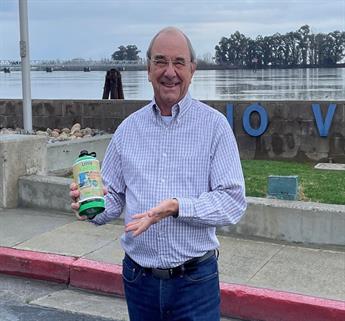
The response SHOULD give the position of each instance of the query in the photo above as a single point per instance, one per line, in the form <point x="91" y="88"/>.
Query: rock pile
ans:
<point x="58" y="135"/>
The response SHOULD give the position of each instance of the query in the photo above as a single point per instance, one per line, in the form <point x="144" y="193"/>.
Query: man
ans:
<point x="175" y="165"/>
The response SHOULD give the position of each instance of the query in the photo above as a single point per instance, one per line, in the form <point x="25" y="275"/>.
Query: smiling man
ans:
<point x="174" y="166"/>
<point x="170" y="69"/>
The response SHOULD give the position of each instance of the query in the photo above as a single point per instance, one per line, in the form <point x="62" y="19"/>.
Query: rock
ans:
<point x="86" y="131"/>
<point x="62" y="136"/>
<point x="57" y="134"/>
<point x="6" y="131"/>
<point x="75" y="127"/>
<point x="78" y="133"/>
<point x="41" y="133"/>
<point x="54" y="134"/>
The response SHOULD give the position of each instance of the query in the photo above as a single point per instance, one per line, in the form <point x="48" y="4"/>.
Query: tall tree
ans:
<point x="221" y="55"/>
<point x="130" y="52"/>
<point x="120" y="54"/>
<point x="304" y="43"/>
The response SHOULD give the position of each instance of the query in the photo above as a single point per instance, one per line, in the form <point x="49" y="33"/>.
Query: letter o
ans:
<point x="263" y="120"/>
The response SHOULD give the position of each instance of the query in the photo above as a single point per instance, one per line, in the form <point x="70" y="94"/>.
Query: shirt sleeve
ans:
<point x="224" y="203"/>
<point x="114" y="182"/>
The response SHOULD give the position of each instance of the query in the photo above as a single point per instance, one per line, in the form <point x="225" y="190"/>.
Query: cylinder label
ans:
<point x="87" y="175"/>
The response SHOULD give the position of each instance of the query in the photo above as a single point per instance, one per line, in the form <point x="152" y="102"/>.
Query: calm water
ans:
<point x="291" y="84"/>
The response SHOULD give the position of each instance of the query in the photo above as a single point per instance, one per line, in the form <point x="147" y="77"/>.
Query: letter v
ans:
<point x="323" y="126"/>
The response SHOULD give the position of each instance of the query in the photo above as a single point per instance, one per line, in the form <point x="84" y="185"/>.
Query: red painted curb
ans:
<point x="239" y="301"/>
<point x="270" y="305"/>
<point x="36" y="265"/>
<point x="96" y="276"/>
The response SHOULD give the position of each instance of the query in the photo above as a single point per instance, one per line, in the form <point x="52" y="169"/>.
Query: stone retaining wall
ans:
<point x="292" y="132"/>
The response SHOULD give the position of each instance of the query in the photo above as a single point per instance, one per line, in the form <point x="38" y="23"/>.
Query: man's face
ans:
<point x="170" y="69"/>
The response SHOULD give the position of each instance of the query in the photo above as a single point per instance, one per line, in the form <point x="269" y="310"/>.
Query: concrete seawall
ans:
<point x="292" y="132"/>
<point x="275" y="219"/>
<point x="293" y="221"/>
<point x="305" y="222"/>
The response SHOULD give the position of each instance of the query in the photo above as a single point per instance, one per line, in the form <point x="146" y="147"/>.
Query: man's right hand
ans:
<point x="74" y="194"/>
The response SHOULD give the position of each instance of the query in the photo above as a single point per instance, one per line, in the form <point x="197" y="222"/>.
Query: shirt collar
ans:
<point x="178" y="110"/>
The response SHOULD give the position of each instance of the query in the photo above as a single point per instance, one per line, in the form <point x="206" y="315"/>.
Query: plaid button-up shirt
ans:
<point x="194" y="159"/>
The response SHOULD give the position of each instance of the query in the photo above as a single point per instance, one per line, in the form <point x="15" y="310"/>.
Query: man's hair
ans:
<point x="189" y="44"/>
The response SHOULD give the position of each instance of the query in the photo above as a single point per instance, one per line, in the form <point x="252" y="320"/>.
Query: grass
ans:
<point x="315" y="185"/>
<point x="323" y="186"/>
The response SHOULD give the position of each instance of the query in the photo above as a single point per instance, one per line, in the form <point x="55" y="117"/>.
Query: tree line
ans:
<point x="293" y="49"/>
<point x="298" y="48"/>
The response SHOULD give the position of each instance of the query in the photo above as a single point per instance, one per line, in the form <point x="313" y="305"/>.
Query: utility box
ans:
<point x="283" y="187"/>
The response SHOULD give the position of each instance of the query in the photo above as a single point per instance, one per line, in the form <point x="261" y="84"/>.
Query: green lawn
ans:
<point x="315" y="185"/>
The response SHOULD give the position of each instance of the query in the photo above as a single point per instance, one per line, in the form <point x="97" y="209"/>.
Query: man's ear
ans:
<point x="193" y="67"/>
<point x="149" y="72"/>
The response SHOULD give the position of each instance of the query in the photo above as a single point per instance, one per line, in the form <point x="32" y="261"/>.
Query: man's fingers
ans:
<point x="75" y="206"/>
<point x="140" y="224"/>
<point x="132" y="225"/>
<point x="80" y="217"/>
<point x="137" y="229"/>
<point x="139" y="216"/>
<point x="74" y="194"/>
<point x="73" y="186"/>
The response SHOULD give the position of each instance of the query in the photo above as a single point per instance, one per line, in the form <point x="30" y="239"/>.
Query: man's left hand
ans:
<point x="141" y="222"/>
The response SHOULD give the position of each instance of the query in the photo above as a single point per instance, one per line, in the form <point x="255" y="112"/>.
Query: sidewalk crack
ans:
<point x="97" y="249"/>
<point x="263" y="265"/>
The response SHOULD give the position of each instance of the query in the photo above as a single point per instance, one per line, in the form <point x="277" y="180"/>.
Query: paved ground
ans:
<point x="287" y="267"/>
<point x="31" y="300"/>
<point x="310" y="271"/>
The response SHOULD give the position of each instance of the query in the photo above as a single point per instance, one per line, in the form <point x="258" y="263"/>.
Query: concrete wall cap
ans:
<point x="17" y="138"/>
<point x="47" y="179"/>
<point x="309" y="206"/>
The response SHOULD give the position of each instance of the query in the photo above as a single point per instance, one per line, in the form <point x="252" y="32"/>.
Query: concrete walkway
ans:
<point x="261" y="280"/>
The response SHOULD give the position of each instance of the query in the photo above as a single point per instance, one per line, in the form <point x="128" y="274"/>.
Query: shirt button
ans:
<point x="165" y="154"/>
<point x="163" y="180"/>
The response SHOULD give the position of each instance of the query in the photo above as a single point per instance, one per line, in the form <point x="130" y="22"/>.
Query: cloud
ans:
<point x="95" y="29"/>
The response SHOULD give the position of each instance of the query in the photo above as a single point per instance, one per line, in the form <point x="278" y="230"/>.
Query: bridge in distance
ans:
<point x="73" y="65"/>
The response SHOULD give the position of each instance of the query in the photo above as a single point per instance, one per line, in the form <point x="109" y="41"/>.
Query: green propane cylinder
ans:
<point x="87" y="175"/>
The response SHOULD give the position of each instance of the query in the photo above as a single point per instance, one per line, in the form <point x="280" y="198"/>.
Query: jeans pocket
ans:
<point x="204" y="271"/>
<point x="131" y="273"/>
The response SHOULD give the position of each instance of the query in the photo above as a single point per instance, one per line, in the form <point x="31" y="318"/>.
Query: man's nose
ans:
<point x="170" y="70"/>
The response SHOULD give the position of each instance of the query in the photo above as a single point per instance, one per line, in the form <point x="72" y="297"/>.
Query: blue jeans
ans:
<point x="191" y="296"/>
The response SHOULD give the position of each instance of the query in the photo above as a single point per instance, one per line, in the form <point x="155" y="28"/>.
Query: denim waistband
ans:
<point x="178" y="270"/>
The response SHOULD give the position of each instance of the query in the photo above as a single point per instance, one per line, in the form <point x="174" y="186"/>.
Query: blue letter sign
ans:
<point x="323" y="126"/>
<point x="230" y="114"/>
<point x="263" y="120"/>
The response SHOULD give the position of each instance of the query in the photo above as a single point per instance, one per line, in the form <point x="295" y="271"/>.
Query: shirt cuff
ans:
<point x="186" y="207"/>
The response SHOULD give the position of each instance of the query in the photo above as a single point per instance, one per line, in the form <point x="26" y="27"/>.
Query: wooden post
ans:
<point x="113" y="85"/>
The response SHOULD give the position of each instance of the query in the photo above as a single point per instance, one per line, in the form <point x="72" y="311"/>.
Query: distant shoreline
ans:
<point x="200" y="66"/>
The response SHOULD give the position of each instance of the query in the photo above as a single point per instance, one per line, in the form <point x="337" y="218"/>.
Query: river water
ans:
<point x="272" y="84"/>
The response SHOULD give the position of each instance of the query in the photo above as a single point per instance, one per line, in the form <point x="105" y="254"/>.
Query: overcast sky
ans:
<point x="94" y="29"/>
